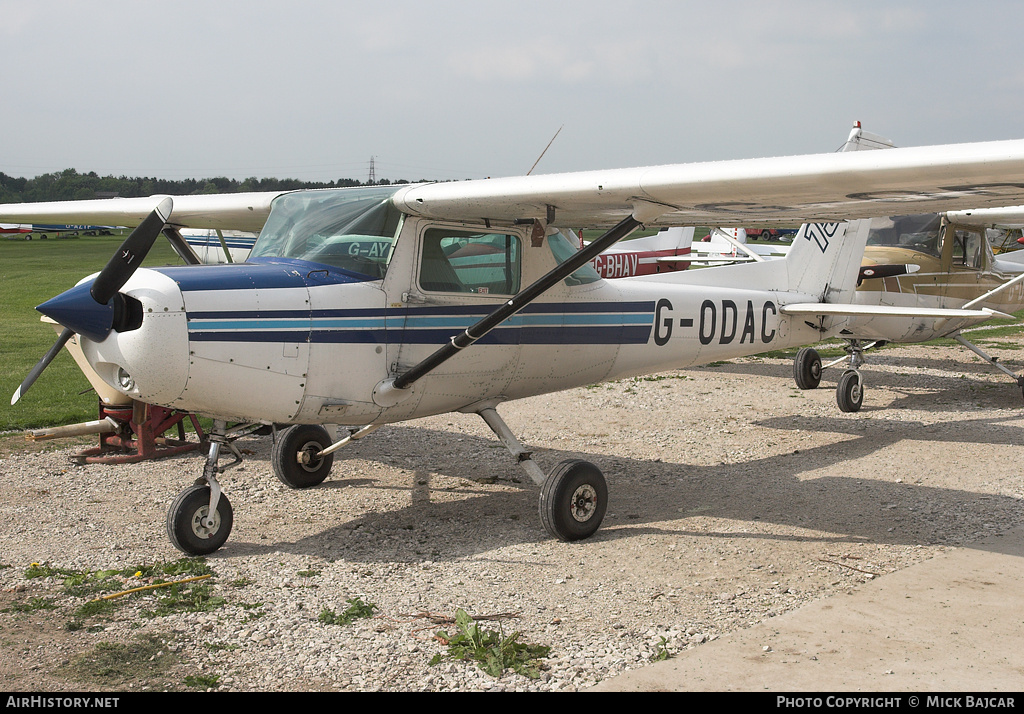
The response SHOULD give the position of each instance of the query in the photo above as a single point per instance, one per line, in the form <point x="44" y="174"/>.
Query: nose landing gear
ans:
<point x="190" y="526"/>
<point x="199" y="520"/>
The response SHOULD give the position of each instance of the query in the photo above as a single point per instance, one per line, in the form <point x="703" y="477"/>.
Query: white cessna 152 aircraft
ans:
<point x="368" y="306"/>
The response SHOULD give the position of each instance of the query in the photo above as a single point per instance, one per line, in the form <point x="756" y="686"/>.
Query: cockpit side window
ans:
<point x="459" y="261"/>
<point x="967" y="248"/>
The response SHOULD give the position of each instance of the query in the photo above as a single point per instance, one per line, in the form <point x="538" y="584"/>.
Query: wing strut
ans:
<point x="517" y="303"/>
<point x="181" y="246"/>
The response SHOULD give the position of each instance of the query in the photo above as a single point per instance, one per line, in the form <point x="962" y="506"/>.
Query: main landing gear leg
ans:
<point x="850" y="389"/>
<point x="807" y="369"/>
<point x="573" y="497"/>
<point x="199" y="520"/>
<point x="994" y="361"/>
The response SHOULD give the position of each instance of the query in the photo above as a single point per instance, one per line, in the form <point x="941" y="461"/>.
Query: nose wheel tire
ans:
<point x="807" y="368"/>
<point x="296" y="456"/>
<point x="573" y="500"/>
<point x="849" y="392"/>
<point x="188" y="526"/>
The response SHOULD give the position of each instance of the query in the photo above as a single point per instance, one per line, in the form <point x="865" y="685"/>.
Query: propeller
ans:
<point x="93" y="316"/>
<point x="885" y="271"/>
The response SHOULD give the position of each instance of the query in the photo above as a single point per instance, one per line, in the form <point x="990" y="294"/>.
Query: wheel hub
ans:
<point x="202" y="526"/>
<point x="584" y="503"/>
<point x="309" y="456"/>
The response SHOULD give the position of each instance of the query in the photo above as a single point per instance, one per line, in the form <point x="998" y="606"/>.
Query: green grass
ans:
<point x="32" y="272"/>
<point x="93" y="585"/>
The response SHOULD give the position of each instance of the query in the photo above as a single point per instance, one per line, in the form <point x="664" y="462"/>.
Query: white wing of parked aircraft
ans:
<point x="768" y="191"/>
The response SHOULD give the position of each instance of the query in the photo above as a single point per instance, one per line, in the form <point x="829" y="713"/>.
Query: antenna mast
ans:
<point x="545" y="150"/>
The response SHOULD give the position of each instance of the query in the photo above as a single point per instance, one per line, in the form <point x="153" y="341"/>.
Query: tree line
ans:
<point x="70" y="185"/>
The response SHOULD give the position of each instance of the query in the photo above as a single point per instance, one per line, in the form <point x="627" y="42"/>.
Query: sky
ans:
<point x="446" y="89"/>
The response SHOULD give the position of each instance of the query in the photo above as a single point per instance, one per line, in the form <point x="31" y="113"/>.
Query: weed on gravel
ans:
<point x="114" y="664"/>
<point x="357" y="609"/>
<point x="492" y="651"/>
<point x="176" y="586"/>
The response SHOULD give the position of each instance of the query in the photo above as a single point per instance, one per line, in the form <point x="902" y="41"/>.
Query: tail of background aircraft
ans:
<point x="665" y="251"/>
<point x="824" y="260"/>
<point x="675" y="238"/>
<point x="821" y="266"/>
<point x="860" y="140"/>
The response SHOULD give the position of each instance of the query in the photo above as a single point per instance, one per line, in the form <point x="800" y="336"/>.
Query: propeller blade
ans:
<point x="131" y="254"/>
<point x="885" y="271"/>
<point x="41" y="365"/>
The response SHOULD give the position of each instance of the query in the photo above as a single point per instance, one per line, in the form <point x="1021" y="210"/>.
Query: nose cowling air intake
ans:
<point x="94" y="309"/>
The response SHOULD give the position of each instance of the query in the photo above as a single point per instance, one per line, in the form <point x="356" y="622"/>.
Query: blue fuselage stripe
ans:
<point x="549" y="323"/>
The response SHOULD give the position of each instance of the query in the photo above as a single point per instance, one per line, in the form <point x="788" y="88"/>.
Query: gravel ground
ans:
<point x="734" y="498"/>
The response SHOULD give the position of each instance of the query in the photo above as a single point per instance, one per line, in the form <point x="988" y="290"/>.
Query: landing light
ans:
<point x="125" y="380"/>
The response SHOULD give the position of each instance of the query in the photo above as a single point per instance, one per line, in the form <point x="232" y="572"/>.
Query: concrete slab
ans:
<point x="954" y="623"/>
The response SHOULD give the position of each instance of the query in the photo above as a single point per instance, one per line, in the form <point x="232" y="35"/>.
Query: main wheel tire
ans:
<point x="303" y="441"/>
<point x="184" y="521"/>
<point x="807" y="368"/>
<point x="573" y="500"/>
<point x="849" y="392"/>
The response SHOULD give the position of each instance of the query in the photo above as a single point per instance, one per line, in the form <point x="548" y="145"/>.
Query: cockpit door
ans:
<point x="442" y="279"/>
<point x="965" y="256"/>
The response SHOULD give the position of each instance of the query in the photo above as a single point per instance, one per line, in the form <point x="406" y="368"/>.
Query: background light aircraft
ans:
<point x="16" y="230"/>
<point x="363" y="307"/>
<point x="674" y="249"/>
<point x="922" y="261"/>
<point x="219" y="246"/>
<point x="61" y="229"/>
<point x="667" y="250"/>
<point x="725" y="246"/>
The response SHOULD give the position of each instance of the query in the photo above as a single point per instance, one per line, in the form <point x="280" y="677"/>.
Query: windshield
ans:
<point x="563" y="249"/>
<point x="920" y="232"/>
<point x="350" y="228"/>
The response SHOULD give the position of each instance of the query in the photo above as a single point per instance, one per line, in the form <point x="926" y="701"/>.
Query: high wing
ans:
<point x="769" y="191"/>
<point x="225" y="211"/>
<point x="780" y="191"/>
